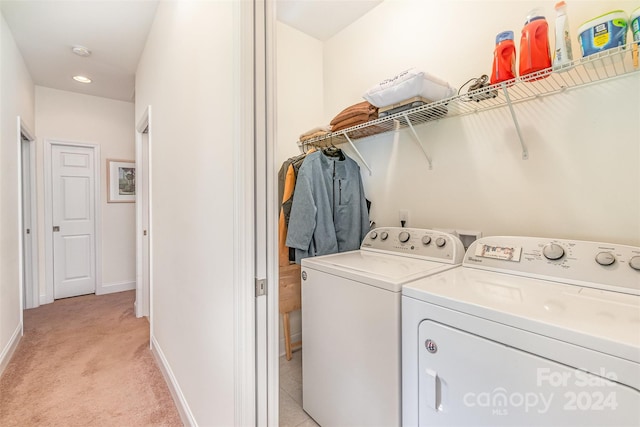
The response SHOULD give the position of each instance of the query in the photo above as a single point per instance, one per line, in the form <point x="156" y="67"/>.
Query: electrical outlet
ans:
<point x="404" y="216"/>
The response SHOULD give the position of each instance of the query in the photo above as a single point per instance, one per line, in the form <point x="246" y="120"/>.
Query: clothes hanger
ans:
<point x="333" y="151"/>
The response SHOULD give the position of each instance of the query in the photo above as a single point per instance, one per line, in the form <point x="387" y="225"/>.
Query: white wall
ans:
<point x="69" y="116"/>
<point x="187" y="75"/>
<point x="581" y="180"/>
<point x="300" y="104"/>
<point x="300" y="87"/>
<point x="16" y="99"/>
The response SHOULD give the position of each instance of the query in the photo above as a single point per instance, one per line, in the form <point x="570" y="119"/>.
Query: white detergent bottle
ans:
<point x="563" y="54"/>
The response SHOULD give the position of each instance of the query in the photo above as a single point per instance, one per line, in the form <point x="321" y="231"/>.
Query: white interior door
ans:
<point x="145" y="225"/>
<point x="73" y="209"/>
<point x="27" y="246"/>
<point x="30" y="295"/>
<point x="143" y="215"/>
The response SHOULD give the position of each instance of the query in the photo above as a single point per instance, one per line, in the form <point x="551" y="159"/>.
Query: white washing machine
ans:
<point x="529" y="331"/>
<point x="351" y="372"/>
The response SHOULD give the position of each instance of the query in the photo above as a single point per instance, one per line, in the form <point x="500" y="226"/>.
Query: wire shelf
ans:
<point x="596" y="68"/>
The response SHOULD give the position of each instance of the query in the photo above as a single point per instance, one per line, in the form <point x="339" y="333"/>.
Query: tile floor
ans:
<point x="291" y="413"/>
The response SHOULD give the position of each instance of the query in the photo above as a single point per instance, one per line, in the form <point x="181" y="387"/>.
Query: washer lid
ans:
<point x="385" y="271"/>
<point x="606" y="321"/>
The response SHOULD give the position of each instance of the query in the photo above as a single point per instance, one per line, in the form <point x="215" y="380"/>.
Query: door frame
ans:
<point x="261" y="222"/>
<point x="246" y="354"/>
<point x="143" y="306"/>
<point x="48" y="214"/>
<point x="273" y="213"/>
<point x="266" y="210"/>
<point x="255" y="226"/>
<point x="30" y="292"/>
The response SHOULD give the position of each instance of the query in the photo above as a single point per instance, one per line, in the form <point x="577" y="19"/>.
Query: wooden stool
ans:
<point x="290" y="300"/>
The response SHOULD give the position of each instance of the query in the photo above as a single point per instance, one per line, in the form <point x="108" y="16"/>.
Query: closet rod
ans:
<point x="357" y="152"/>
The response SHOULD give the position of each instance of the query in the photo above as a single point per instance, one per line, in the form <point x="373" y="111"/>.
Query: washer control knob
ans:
<point x="605" y="258"/>
<point x="553" y="251"/>
<point x="373" y="235"/>
<point x="634" y="262"/>
<point x="440" y="242"/>
<point x="384" y="235"/>
<point x="404" y="236"/>
<point x="426" y="240"/>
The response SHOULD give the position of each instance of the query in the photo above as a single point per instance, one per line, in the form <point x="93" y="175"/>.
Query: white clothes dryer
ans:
<point x="528" y="332"/>
<point x="351" y="363"/>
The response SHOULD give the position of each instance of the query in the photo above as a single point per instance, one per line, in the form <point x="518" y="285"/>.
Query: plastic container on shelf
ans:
<point x="603" y="32"/>
<point x="504" y="58"/>
<point x="563" y="54"/>
<point x="535" y="54"/>
<point x="634" y="23"/>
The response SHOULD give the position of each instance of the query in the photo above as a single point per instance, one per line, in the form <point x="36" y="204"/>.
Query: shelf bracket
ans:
<point x="525" y="151"/>
<point x="357" y="152"/>
<point x="418" y="140"/>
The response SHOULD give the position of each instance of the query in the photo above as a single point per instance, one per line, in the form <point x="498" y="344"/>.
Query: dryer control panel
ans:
<point x="415" y="243"/>
<point x="593" y="264"/>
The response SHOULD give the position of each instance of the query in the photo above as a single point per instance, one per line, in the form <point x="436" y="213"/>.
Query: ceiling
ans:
<point x="322" y="19"/>
<point x="115" y="32"/>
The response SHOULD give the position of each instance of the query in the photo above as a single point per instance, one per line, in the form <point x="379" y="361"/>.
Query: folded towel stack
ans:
<point x="315" y="133"/>
<point x="354" y="115"/>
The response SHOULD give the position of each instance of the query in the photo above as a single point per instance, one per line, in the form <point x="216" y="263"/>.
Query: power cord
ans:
<point x="478" y="83"/>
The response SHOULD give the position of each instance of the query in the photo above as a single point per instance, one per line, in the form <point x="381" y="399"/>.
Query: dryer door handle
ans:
<point x="431" y="390"/>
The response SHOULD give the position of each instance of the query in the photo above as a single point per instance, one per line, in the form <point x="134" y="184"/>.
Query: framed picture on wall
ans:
<point x="121" y="181"/>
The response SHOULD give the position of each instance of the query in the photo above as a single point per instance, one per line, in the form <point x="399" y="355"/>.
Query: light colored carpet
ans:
<point x="85" y="361"/>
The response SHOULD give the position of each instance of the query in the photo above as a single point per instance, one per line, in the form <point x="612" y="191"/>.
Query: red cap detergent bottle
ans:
<point x="504" y="58"/>
<point x="535" y="54"/>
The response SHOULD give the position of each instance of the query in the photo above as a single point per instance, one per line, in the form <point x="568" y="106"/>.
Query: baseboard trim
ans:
<point x="111" y="288"/>
<point x="10" y="348"/>
<point x="178" y="397"/>
<point x="44" y="300"/>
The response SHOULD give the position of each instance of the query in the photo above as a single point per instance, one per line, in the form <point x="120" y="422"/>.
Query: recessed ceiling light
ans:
<point x="80" y="51"/>
<point x="82" y="79"/>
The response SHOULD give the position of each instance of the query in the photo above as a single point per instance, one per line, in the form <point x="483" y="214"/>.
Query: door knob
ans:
<point x="144" y="232"/>
<point x="56" y="228"/>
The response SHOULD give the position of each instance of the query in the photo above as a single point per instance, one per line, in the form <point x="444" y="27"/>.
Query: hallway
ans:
<point x="85" y="361"/>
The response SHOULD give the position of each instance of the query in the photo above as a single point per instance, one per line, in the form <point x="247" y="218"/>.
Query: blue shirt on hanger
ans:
<point x="329" y="212"/>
